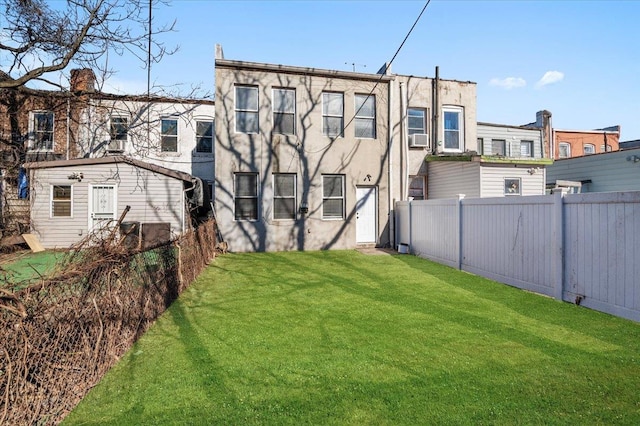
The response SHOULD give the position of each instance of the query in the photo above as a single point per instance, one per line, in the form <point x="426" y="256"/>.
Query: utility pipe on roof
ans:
<point x="436" y="111"/>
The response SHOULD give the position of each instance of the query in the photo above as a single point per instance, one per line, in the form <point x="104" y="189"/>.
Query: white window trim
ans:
<point x="423" y="129"/>
<point x="177" y="135"/>
<point x="195" y="134"/>
<point x="341" y="134"/>
<point x="460" y="111"/>
<point x="343" y="198"/>
<point x="51" y="216"/>
<point x="124" y="141"/>
<point x="507" y="193"/>
<point x="292" y="113"/>
<point x="236" y="110"/>
<point x="294" y="196"/>
<point x="568" y="145"/>
<point x="257" y="197"/>
<point x="32" y="130"/>
<point x="593" y="149"/>
<point x="529" y="143"/>
<point x="358" y="114"/>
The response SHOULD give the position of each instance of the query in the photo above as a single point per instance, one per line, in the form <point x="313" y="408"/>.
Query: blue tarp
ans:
<point x="23" y="184"/>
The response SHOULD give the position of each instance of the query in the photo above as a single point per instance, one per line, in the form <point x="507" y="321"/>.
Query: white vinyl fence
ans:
<point x="580" y="248"/>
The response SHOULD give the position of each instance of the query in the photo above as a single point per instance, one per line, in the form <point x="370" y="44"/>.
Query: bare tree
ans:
<point x="39" y="38"/>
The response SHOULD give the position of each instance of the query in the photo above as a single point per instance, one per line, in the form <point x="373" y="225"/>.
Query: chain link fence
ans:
<point x="60" y="335"/>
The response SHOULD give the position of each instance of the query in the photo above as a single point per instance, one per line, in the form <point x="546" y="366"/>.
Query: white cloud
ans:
<point x="508" y="83"/>
<point x="550" y="77"/>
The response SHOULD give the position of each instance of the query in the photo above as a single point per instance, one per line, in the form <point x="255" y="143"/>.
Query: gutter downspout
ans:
<point x="68" y="127"/>
<point x="403" y="144"/>
<point x="436" y="111"/>
<point x="184" y="204"/>
<point x="392" y="215"/>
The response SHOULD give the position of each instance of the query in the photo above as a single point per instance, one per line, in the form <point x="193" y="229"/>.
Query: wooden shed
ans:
<point x="72" y="198"/>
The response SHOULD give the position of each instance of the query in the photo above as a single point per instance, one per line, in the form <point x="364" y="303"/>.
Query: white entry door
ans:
<point x="102" y="205"/>
<point x="366" y="207"/>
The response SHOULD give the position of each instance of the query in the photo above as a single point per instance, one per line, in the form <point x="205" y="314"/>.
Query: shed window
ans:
<point x="61" y="200"/>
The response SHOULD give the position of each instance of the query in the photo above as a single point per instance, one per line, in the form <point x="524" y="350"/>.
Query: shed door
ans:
<point x="366" y="214"/>
<point x="102" y="205"/>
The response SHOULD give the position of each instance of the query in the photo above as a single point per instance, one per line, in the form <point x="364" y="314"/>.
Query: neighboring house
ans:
<point x="509" y="161"/>
<point x="71" y="198"/>
<point x="314" y="159"/>
<point x="630" y="144"/>
<point x="603" y="172"/>
<point x="576" y="143"/>
<point x="36" y="125"/>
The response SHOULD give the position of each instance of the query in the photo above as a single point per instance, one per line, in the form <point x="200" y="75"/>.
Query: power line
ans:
<point x="382" y="74"/>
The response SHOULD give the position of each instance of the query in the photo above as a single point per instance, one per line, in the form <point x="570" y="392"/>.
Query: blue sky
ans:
<point x="578" y="59"/>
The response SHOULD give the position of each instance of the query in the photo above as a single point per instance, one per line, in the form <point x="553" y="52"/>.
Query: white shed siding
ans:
<point x="153" y="198"/>
<point x="611" y="171"/>
<point x="513" y="136"/>
<point x="447" y="179"/>
<point x="493" y="177"/>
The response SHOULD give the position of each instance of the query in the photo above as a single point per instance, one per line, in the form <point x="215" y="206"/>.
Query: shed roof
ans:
<point x="110" y="160"/>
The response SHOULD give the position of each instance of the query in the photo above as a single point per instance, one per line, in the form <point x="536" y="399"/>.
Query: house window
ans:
<point x="284" y="196"/>
<point x="602" y="148"/>
<point x="498" y="146"/>
<point x="204" y="136"/>
<point x="246" y="109"/>
<point x="333" y="197"/>
<point x="119" y="131"/>
<point x="61" y="201"/>
<point x="365" y="120"/>
<point x="284" y="110"/>
<point x="526" y="148"/>
<point x="169" y="135"/>
<point x="564" y="150"/>
<point x="246" y="196"/>
<point x="453" y="128"/>
<point x="512" y="186"/>
<point x="332" y="114"/>
<point x="481" y="146"/>
<point x="416" y="187"/>
<point x="42" y="123"/>
<point x="589" y="149"/>
<point x="416" y="121"/>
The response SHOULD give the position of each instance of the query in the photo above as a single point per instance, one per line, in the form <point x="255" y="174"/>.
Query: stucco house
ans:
<point x="72" y="198"/>
<point x="309" y="158"/>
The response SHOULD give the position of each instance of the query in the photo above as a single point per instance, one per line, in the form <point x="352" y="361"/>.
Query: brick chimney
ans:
<point x="83" y="81"/>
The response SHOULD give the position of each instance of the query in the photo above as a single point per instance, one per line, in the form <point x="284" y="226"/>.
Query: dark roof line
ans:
<point x="110" y="160"/>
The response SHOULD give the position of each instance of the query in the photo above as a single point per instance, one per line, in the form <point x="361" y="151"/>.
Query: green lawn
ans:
<point x="344" y="338"/>
<point x="20" y="268"/>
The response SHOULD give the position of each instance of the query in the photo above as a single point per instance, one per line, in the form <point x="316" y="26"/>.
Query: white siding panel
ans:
<point x="493" y="180"/>
<point x="448" y="179"/>
<point x="153" y="198"/>
<point x="611" y="171"/>
<point x="512" y="136"/>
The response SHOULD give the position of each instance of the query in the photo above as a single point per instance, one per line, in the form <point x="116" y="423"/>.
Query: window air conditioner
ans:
<point x="115" y="146"/>
<point x="419" y="140"/>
